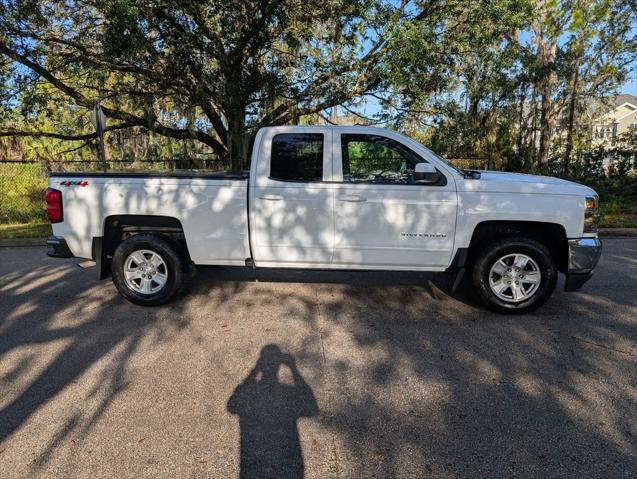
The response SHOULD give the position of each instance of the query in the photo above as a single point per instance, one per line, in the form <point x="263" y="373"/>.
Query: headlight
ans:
<point x="591" y="215"/>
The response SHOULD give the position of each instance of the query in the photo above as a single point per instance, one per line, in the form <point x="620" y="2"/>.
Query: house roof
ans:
<point x="600" y="107"/>
<point x="619" y="100"/>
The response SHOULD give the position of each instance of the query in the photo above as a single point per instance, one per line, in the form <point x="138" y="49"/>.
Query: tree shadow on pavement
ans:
<point x="56" y="324"/>
<point x="430" y="386"/>
<point x="411" y="382"/>
<point x="268" y="411"/>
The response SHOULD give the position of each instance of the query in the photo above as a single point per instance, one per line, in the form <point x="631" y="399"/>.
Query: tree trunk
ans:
<point x="572" y="106"/>
<point x="546" y="123"/>
<point x="533" y="147"/>
<point x="521" y="125"/>
<point x="546" y="44"/>
<point x="476" y="129"/>
<point x="490" y="133"/>
<point x="237" y="150"/>
<point x="571" y="118"/>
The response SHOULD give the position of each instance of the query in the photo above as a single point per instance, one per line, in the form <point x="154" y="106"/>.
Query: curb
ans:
<point x="618" y="232"/>
<point x="12" y="242"/>
<point x="603" y="232"/>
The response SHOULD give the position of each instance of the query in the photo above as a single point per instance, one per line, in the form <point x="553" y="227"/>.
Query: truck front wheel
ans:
<point x="148" y="269"/>
<point x="515" y="275"/>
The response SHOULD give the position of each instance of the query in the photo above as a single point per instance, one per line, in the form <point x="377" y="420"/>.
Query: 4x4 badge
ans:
<point x="74" y="183"/>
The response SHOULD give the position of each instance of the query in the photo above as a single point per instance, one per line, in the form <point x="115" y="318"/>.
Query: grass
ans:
<point x="619" y="220"/>
<point x="25" y="230"/>
<point x="617" y="200"/>
<point x="22" y="188"/>
<point x="22" y="208"/>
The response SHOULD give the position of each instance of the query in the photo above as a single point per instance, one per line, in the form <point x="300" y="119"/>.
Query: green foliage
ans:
<point x="210" y="71"/>
<point x="365" y="157"/>
<point x="618" y="200"/>
<point x="497" y="80"/>
<point x="514" y="100"/>
<point x="25" y="230"/>
<point x="618" y="161"/>
<point x="22" y="193"/>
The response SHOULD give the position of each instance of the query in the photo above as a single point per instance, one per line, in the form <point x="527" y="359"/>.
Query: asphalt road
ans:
<point x="279" y="373"/>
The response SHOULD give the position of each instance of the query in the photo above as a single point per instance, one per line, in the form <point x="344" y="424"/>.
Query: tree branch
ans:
<point x="133" y="120"/>
<point x="282" y="112"/>
<point x="61" y="136"/>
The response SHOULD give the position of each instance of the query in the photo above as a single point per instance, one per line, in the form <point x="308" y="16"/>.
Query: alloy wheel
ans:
<point x="145" y="271"/>
<point x="515" y="278"/>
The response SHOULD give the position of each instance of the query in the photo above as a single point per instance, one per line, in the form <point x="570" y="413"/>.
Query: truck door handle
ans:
<point x="271" y="197"/>
<point x="352" y="198"/>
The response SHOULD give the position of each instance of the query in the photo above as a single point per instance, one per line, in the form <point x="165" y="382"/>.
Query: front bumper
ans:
<point x="58" y="247"/>
<point x="583" y="255"/>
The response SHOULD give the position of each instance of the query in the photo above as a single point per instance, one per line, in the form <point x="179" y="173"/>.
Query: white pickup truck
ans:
<point x="321" y="197"/>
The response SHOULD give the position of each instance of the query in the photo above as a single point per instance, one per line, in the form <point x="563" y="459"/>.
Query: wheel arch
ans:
<point x="116" y="228"/>
<point x="551" y="235"/>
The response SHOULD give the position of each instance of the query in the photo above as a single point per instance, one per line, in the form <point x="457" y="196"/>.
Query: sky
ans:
<point x="630" y="87"/>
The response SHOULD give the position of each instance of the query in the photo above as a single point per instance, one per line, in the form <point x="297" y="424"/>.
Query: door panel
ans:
<point x="384" y="217"/>
<point x="376" y="226"/>
<point x="293" y="221"/>
<point x="294" y="224"/>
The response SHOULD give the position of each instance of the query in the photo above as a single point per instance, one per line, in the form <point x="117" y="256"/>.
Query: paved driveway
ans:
<point x="276" y="373"/>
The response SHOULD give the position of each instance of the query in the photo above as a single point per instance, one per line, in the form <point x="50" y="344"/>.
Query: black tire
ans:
<point x="170" y="252"/>
<point x="492" y="253"/>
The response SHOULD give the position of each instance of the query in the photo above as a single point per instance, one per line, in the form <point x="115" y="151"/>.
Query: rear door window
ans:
<point x="297" y="157"/>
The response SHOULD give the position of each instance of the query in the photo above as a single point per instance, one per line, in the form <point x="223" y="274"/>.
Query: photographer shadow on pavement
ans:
<point x="268" y="411"/>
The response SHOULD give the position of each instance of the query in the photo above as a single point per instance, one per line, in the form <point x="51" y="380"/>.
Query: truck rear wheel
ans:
<point x="515" y="275"/>
<point x="148" y="269"/>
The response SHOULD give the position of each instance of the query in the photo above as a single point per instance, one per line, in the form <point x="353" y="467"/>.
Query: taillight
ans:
<point x="53" y="200"/>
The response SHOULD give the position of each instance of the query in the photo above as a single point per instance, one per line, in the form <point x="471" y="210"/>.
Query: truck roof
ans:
<point x="323" y="127"/>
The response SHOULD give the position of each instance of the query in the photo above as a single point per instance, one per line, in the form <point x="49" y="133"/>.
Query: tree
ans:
<point x="483" y="76"/>
<point x="526" y="68"/>
<point x="598" y="55"/>
<point x="226" y="67"/>
<point x="472" y="52"/>
<point x="549" y="21"/>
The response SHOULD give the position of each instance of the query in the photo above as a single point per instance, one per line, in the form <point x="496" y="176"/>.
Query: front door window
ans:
<point x="377" y="159"/>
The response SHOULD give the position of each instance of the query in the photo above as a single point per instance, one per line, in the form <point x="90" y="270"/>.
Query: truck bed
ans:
<point x="210" y="206"/>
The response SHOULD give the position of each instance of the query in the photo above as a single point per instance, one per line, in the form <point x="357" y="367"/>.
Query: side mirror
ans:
<point x="426" y="173"/>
